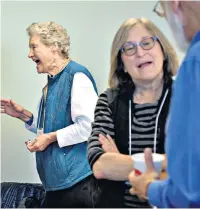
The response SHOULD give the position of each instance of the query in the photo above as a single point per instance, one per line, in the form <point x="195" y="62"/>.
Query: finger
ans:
<point x="3" y="111"/>
<point x="136" y="192"/>
<point x="28" y="142"/>
<point x="31" y="148"/>
<point x="103" y="139"/>
<point x="32" y="143"/>
<point x="149" y="160"/>
<point x="3" y="104"/>
<point x="133" y="191"/>
<point x="105" y="147"/>
<point x="4" y="100"/>
<point x="13" y="103"/>
<point x="110" y="139"/>
<point x="102" y="136"/>
<point x="142" y="197"/>
<point x="132" y="177"/>
<point x="103" y="142"/>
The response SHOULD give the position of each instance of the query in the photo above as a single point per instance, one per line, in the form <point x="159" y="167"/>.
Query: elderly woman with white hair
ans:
<point x="63" y="123"/>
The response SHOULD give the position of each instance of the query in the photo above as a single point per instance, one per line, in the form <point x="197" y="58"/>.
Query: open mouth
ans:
<point x="144" y="64"/>
<point x="37" y="62"/>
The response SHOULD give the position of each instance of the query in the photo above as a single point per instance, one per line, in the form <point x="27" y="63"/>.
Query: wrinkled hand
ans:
<point x="140" y="183"/>
<point x="11" y="108"/>
<point x="40" y="143"/>
<point x="108" y="143"/>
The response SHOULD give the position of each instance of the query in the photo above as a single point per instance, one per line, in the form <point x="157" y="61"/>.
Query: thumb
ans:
<point x="149" y="160"/>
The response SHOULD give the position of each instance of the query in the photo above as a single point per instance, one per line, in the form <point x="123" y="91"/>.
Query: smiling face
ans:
<point x="144" y="65"/>
<point x="41" y="54"/>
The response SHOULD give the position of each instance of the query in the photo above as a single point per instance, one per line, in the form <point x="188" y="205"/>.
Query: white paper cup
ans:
<point x="140" y="165"/>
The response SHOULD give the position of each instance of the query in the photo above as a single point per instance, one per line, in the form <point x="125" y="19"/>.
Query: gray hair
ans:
<point x="51" y="33"/>
<point x="120" y="38"/>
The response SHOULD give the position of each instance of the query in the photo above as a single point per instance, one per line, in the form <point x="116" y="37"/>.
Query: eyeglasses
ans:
<point x="130" y="48"/>
<point x="158" y="9"/>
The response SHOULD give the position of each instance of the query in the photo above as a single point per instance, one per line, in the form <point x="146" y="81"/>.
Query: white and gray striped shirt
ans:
<point x="142" y="132"/>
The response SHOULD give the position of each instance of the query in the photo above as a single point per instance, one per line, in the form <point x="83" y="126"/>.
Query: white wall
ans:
<point x="91" y="25"/>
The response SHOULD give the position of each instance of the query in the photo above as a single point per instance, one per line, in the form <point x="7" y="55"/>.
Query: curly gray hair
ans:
<point x="51" y="34"/>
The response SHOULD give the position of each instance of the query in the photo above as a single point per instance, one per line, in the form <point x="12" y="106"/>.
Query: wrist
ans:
<point x="52" y="137"/>
<point x="25" y="118"/>
<point x="25" y="115"/>
<point x="146" y="187"/>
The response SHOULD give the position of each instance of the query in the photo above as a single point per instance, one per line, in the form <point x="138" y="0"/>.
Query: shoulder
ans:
<point x="193" y="55"/>
<point x="75" y="67"/>
<point x="81" y="79"/>
<point x="112" y="94"/>
<point x="104" y="100"/>
<point x="188" y="77"/>
<point x="190" y="67"/>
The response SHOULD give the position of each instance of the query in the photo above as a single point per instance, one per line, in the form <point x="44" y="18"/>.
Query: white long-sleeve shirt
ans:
<point x="83" y="102"/>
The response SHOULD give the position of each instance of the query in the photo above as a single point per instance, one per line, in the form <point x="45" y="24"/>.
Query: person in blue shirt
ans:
<point x="182" y="187"/>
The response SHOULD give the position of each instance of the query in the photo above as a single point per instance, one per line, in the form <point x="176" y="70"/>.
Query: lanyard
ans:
<point x="42" y="111"/>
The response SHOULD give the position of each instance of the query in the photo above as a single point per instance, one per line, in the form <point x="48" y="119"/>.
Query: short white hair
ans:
<point x="51" y="33"/>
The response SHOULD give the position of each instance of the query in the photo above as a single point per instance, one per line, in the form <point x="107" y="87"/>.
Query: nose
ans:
<point x="30" y="54"/>
<point x="140" y="52"/>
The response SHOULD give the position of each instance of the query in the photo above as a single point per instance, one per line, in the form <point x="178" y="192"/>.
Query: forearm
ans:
<point x="113" y="166"/>
<point x="76" y="133"/>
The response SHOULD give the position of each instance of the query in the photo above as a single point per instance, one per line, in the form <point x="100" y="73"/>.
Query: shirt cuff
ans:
<point x="61" y="138"/>
<point x="154" y="193"/>
<point x="30" y="121"/>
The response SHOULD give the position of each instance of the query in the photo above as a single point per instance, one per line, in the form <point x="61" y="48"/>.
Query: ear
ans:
<point x="53" y="48"/>
<point x="176" y="6"/>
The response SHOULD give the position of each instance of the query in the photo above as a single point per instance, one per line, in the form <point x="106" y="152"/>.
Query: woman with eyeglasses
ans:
<point x="131" y="115"/>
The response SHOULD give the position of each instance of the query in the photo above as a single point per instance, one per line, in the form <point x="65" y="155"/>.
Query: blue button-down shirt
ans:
<point x="182" y="188"/>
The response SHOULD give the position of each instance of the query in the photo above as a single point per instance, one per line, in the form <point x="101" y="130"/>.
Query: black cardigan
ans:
<point x="113" y="191"/>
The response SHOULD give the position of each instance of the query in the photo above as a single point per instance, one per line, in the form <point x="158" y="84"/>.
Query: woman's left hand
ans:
<point x="108" y="143"/>
<point x="40" y="143"/>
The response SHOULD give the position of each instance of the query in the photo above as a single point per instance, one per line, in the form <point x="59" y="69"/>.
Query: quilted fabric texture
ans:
<point x="13" y="193"/>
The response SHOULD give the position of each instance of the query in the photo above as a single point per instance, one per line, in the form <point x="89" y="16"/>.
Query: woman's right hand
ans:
<point x="11" y="108"/>
<point x="108" y="143"/>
